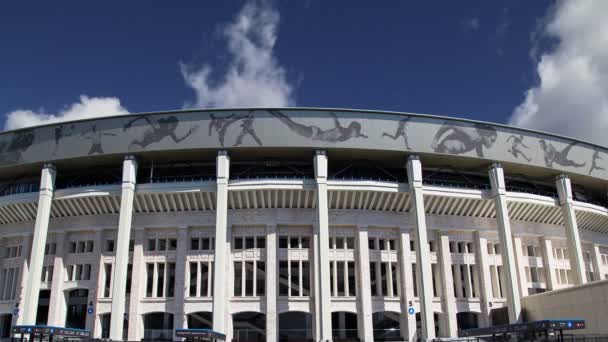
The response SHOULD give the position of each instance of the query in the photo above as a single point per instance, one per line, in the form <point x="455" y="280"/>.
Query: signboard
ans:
<point x="200" y="334"/>
<point x="537" y="326"/>
<point x="50" y="330"/>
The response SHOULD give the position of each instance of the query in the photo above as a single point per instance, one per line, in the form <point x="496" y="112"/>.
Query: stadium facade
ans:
<point x="292" y="224"/>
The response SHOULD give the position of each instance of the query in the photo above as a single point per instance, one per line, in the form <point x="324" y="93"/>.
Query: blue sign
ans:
<point x="411" y="311"/>
<point x="16" y="311"/>
<point x="90" y="310"/>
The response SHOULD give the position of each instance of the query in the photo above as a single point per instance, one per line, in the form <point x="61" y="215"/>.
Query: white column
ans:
<point x="181" y="280"/>
<point x="577" y="262"/>
<point x="499" y="193"/>
<point x="95" y="278"/>
<point x="24" y="271"/>
<point x="548" y="263"/>
<point x="366" y="328"/>
<point x="220" y="293"/>
<point x="450" y="327"/>
<point x="323" y="279"/>
<point x="485" y="281"/>
<point x="521" y="268"/>
<point x="119" y="282"/>
<point x="408" y="322"/>
<point x="32" y="286"/>
<point x="271" y="284"/>
<point x="596" y="256"/>
<point x="423" y="265"/>
<point x="138" y="283"/>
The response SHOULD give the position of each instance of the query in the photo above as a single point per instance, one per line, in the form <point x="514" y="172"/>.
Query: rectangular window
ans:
<point x="530" y="250"/>
<point x="261" y="242"/>
<point x="305" y="278"/>
<point x="372" y="278"/>
<point x="412" y="246"/>
<point x="149" y="279"/>
<point x="238" y="278"/>
<point x="283" y="242"/>
<point x="205" y="243"/>
<point x="80" y="247"/>
<point x="238" y="243"/>
<point x="129" y="277"/>
<point x="78" y="272"/>
<point x="332" y="281"/>
<point x="172" y="244"/>
<point x="295" y="278"/>
<point x="283" y="278"/>
<point x="89" y="246"/>
<point x="160" y="283"/>
<point x="72" y="247"/>
<point x="350" y="243"/>
<point x="131" y="245"/>
<point x="193" y="278"/>
<point x="470" y="247"/>
<point x="108" y="280"/>
<point x="340" y="275"/>
<point x="151" y="244"/>
<point x="371" y="243"/>
<point x="171" y="279"/>
<point x="249" y="242"/>
<point x="391" y="245"/>
<point x="352" y="283"/>
<point x="384" y="278"/>
<point x="194" y="244"/>
<point x="162" y="245"/>
<point x="205" y="279"/>
<point x="414" y="280"/>
<point x="394" y="273"/>
<point x="53" y="248"/>
<point x="86" y="272"/>
<point x="109" y="246"/>
<point x="260" y="278"/>
<point x="305" y="241"/>
<point x="293" y="242"/>
<point x="249" y="277"/>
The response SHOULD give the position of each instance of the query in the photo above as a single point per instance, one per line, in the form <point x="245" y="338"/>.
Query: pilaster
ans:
<point x="221" y="262"/>
<point x="521" y="269"/>
<point x="366" y="328"/>
<point x="272" y="318"/>
<point x="450" y="326"/>
<point x="138" y="281"/>
<point x="486" y="296"/>
<point x="548" y="263"/>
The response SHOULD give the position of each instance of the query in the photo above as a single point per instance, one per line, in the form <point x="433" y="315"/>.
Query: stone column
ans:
<point x="521" y="269"/>
<point x="485" y="281"/>
<point x="57" y="300"/>
<point x="450" y="327"/>
<point x="323" y="279"/>
<point x="366" y="327"/>
<point x="272" y="269"/>
<point x="119" y="282"/>
<point x="548" y="263"/>
<point x="596" y="257"/>
<point x="27" y="247"/>
<point x="220" y="293"/>
<point x="423" y="265"/>
<point x="408" y="322"/>
<point x="138" y="283"/>
<point x="499" y="193"/>
<point x="181" y="280"/>
<point x="32" y="286"/>
<point x="96" y="271"/>
<point x="577" y="262"/>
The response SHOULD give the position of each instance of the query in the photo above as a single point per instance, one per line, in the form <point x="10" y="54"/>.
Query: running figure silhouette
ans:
<point x="61" y="132"/>
<point x="401" y="132"/>
<point x="247" y="129"/>
<point x="337" y="134"/>
<point x="594" y="159"/>
<point x="157" y="131"/>
<point x="552" y="155"/>
<point x="96" y="138"/>
<point x="515" y="150"/>
<point x="456" y="139"/>
<point x="221" y="124"/>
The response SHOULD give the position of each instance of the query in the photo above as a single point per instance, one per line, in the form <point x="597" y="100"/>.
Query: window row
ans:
<point x="202" y="244"/>
<point x="201" y="279"/>
<point x="294" y="278"/>
<point x="47" y="273"/>
<point x="462" y="247"/>
<point x="161" y="245"/>
<point x="604" y="259"/>
<point x="531" y="251"/>
<point x="560" y="253"/>
<point x="343" y="278"/>
<point x="338" y="242"/>
<point x="494" y="248"/>
<point x="50" y="248"/>
<point x="465" y="281"/>
<point x="79" y="272"/>
<point x="9" y="278"/>
<point x="160" y="279"/>
<point x="535" y="274"/>
<point x="383" y="278"/>
<point x="564" y="276"/>
<point x="297" y="242"/>
<point x="107" y="279"/>
<point x="249" y="242"/>
<point x="382" y="244"/>
<point x="80" y="246"/>
<point x="110" y="246"/>
<point x="12" y="252"/>
<point x="249" y="278"/>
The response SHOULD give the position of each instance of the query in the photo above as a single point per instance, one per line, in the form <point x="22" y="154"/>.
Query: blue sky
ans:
<point x="475" y="59"/>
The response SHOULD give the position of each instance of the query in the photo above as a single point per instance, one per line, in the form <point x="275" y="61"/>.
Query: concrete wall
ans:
<point x="589" y="302"/>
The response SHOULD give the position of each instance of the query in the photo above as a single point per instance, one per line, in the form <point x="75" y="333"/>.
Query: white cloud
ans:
<point x="253" y="77"/>
<point x="87" y="107"/>
<point x="571" y="96"/>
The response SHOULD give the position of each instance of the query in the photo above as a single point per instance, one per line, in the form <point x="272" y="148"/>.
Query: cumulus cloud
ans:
<point x="253" y="77"/>
<point x="86" y="107"/>
<point x="571" y="96"/>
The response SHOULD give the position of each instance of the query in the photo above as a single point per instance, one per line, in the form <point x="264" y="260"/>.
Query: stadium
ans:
<point x="292" y="224"/>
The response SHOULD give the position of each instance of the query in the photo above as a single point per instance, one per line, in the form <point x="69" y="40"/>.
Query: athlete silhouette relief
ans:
<point x="515" y="150"/>
<point x="96" y="138"/>
<point x="594" y="159"/>
<point x="401" y="132"/>
<point x="552" y="155"/>
<point x="457" y="140"/>
<point x="19" y="143"/>
<point x="337" y="134"/>
<point x="221" y="124"/>
<point x="61" y="132"/>
<point x="247" y="129"/>
<point x="157" y="130"/>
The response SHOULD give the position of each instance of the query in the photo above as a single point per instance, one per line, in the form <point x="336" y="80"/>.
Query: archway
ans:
<point x="386" y="326"/>
<point x="105" y="326"/>
<point x="499" y="316"/>
<point x="76" y="316"/>
<point x="200" y="320"/>
<point x="344" y="326"/>
<point x="5" y="325"/>
<point x="436" y="320"/>
<point x="249" y="327"/>
<point x="42" y="314"/>
<point x="467" y="320"/>
<point x="295" y="326"/>
<point x="158" y="326"/>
